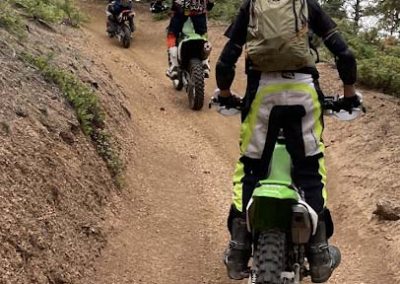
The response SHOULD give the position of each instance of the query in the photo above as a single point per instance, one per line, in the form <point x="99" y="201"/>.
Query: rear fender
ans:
<point x="180" y="44"/>
<point x="266" y="213"/>
<point x="312" y="215"/>
<point x="189" y="32"/>
<point x="277" y="190"/>
<point x="188" y="50"/>
<point x="270" y="206"/>
<point x="281" y="195"/>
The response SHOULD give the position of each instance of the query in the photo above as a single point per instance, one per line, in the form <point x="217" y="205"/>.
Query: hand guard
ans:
<point x="229" y="102"/>
<point x="349" y="103"/>
<point x="230" y="105"/>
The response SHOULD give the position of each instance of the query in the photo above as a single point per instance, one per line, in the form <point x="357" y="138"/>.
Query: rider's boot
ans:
<point x="206" y="68"/>
<point x="131" y="25"/>
<point x="110" y="21"/>
<point x="237" y="255"/>
<point x="322" y="257"/>
<point x="172" y="71"/>
<point x="110" y="27"/>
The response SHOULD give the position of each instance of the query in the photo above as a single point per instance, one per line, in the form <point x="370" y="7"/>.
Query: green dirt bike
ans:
<point x="281" y="238"/>
<point x="192" y="50"/>
<point x="280" y="221"/>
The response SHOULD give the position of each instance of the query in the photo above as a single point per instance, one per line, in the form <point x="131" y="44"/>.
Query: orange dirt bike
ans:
<point x="280" y="220"/>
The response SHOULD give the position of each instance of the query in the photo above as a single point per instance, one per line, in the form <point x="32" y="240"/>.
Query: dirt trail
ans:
<point x="170" y="226"/>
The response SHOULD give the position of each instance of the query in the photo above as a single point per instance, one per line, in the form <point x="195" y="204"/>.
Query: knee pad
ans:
<point x="171" y="40"/>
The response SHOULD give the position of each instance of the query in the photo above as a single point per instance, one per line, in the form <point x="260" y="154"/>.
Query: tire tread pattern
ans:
<point x="197" y="76"/>
<point x="269" y="257"/>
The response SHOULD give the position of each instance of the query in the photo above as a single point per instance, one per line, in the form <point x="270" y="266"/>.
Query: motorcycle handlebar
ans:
<point x="330" y="105"/>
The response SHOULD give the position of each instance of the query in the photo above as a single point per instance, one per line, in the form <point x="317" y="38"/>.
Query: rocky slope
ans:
<point x="54" y="187"/>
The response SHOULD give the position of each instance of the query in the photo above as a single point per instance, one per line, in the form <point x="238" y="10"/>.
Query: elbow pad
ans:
<point x="225" y="69"/>
<point x="347" y="67"/>
<point x="345" y="59"/>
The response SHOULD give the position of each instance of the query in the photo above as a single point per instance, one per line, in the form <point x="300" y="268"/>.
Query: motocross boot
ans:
<point x="206" y="68"/>
<point x="172" y="71"/>
<point x="131" y="25"/>
<point x="110" y="27"/>
<point x="237" y="255"/>
<point x="110" y="21"/>
<point x="322" y="257"/>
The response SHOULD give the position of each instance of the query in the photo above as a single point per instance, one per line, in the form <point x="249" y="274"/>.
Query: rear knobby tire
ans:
<point x="269" y="257"/>
<point x="196" y="90"/>
<point x="126" y="40"/>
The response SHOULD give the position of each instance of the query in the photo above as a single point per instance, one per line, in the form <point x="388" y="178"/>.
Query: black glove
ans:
<point x="348" y="103"/>
<point x="210" y="5"/>
<point x="231" y="101"/>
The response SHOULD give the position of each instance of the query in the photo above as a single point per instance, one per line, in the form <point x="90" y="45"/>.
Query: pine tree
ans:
<point x="334" y="8"/>
<point x="389" y="10"/>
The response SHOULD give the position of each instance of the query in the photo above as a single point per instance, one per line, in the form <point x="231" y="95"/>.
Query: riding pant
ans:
<point x="288" y="104"/>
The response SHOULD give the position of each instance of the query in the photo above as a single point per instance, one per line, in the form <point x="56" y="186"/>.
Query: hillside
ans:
<point x="54" y="185"/>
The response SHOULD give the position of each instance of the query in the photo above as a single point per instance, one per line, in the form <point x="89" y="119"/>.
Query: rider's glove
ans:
<point x="349" y="103"/>
<point x="231" y="101"/>
<point x="210" y="5"/>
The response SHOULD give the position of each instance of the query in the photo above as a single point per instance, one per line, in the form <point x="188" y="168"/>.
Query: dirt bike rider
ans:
<point x="182" y="10"/>
<point x="114" y="9"/>
<point x="273" y="90"/>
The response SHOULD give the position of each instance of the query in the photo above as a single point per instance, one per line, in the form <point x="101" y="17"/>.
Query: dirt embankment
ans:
<point x="53" y="185"/>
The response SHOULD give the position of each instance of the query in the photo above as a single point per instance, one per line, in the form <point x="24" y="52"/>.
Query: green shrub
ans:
<point x="362" y="49"/>
<point x="72" y="14"/>
<point x="87" y="109"/>
<point x="79" y="95"/>
<point x="10" y="20"/>
<point x="53" y="11"/>
<point x="378" y="64"/>
<point x="225" y="10"/>
<point x="45" y="10"/>
<point x="392" y="51"/>
<point x="161" y="16"/>
<point x="381" y="72"/>
<point x="360" y="43"/>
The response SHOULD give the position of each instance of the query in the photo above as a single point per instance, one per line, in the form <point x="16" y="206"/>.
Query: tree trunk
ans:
<point x="357" y="13"/>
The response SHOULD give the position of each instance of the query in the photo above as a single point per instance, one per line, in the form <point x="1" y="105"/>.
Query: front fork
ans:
<point x="297" y="273"/>
<point x="299" y="268"/>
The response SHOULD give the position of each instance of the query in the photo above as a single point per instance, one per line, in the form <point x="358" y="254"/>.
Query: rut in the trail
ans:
<point x="170" y="224"/>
